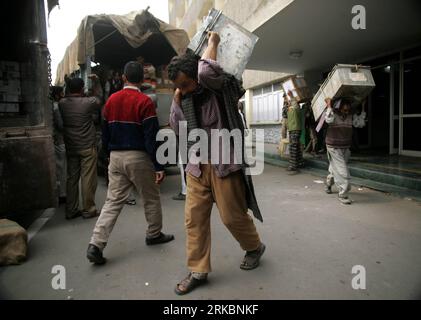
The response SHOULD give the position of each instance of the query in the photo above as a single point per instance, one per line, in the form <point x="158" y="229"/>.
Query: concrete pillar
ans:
<point x="172" y="14"/>
<point x="248" y="105"/>
<point x="180" y="8"/>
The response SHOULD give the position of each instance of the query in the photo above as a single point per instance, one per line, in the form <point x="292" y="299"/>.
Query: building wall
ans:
<point x="188" y="14"/>
<point x="255" y="78"/>
<point x="249" y="14"/>
<point x="272" y="132"/>
<point x="252" y="14"/>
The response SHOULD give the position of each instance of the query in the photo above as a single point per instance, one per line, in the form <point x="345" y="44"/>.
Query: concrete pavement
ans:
<point x="312" y="242"/>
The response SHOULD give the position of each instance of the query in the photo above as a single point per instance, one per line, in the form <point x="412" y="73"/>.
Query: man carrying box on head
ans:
<point x="338" y="141"/>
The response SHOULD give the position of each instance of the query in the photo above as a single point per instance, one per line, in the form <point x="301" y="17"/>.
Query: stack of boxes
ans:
<point x="10" y="87"/>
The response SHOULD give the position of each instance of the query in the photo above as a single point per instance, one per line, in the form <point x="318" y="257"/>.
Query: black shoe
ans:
<point x="74" y="215"/>
<point x="162" y="238"/>
<point x="94" y="255"/>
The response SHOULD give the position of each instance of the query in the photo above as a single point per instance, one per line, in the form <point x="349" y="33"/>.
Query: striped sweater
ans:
<point x="339" y="132"/>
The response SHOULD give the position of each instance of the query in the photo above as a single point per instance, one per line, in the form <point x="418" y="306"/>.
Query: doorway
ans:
<point x="410" y="113"/>
<point x="376" y="135"/>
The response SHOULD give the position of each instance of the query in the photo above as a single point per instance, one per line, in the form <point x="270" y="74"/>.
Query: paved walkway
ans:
<point x="312" y="241"/>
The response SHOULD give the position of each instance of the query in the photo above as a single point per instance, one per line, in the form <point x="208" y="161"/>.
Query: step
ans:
<point x="374" y="175"/>
<point x="360" y="177"/>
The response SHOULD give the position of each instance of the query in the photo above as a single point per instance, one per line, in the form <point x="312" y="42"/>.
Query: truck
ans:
<point x="27" y="164"/>
<point x="27" y="160"/>
<point x="106" y="42"/>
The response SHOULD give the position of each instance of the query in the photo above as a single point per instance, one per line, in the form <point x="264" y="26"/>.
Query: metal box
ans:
<point x="345" y="81"/>
<point x="236" y="44"/>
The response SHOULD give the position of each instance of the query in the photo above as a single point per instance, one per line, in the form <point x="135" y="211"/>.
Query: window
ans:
<point x="267" y="103"/>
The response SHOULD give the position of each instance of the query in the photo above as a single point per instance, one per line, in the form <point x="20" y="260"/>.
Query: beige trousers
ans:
<point x="81" y="165"/>
<point x="129" y="169"/>
<point x="229" y="195"/>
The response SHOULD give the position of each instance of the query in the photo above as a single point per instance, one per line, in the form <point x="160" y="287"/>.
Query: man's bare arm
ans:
<point x="211" y="51"/>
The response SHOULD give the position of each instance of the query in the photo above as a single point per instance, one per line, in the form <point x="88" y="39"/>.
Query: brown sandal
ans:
<point x="188" y="284"/>
<point x="252" y="258"/>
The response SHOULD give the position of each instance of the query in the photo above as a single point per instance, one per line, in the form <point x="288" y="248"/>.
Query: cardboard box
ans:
<point x="6" y="97"/>
<point x="9" y="75"/>
<point x="9" y="66"/>
<point x="9" y="107"/>
<point x="10" y="86"/>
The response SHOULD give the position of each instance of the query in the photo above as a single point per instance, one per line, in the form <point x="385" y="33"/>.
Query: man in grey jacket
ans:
<point x="80" y="139"/>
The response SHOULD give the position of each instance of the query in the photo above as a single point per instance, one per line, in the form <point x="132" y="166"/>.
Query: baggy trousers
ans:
<point x="81" y="165"/>
<point x="229" y="195"/>
<point x="295" y="151"/>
